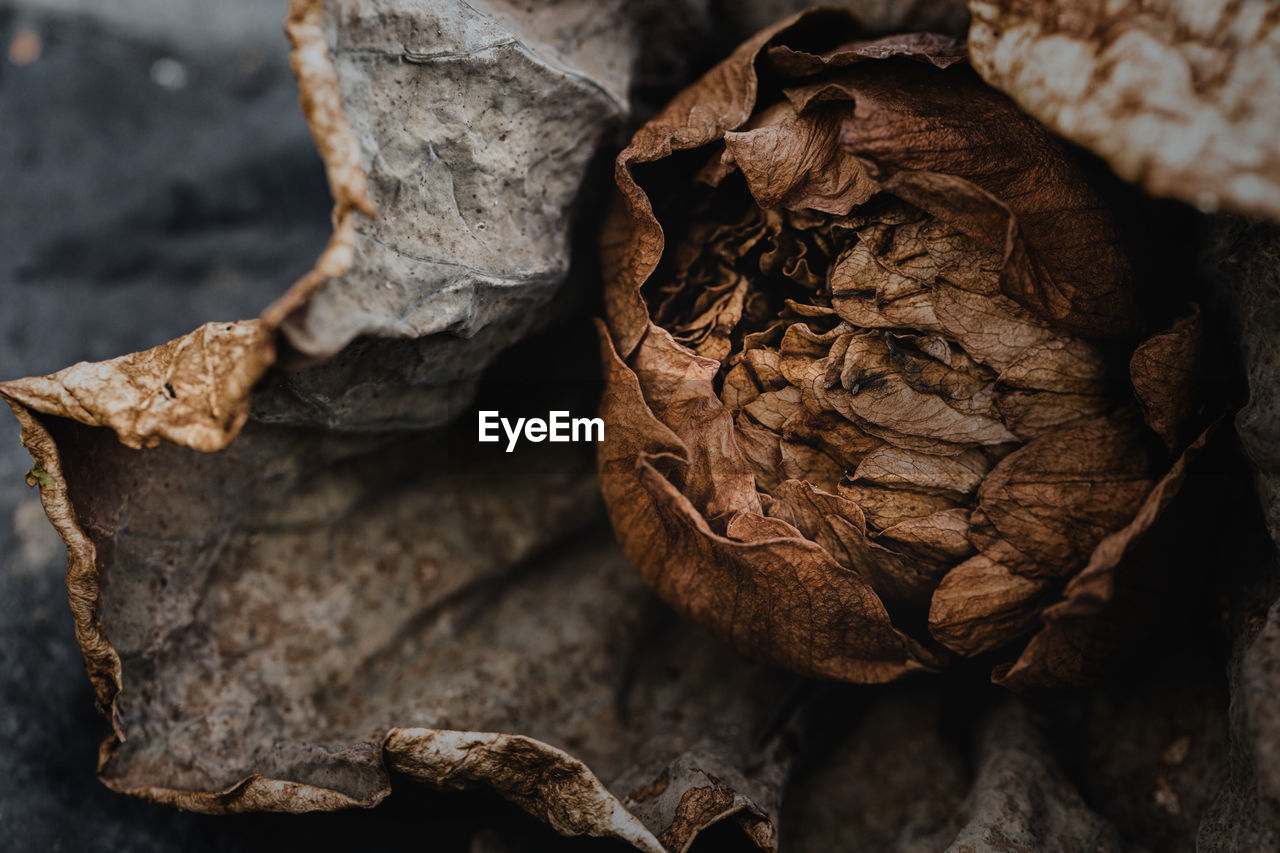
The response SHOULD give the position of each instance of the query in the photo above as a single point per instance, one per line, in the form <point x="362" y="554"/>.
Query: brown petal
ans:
<point x="1030" y="414"/>
<point x="779" y="599"/>
<point x="981" y="605"/>
<point x="967" y="156"/>
<point x="994" y="330"/>
<point x="879" y="395"/>
<point x="1059" y="364"/>
<point x="942" y="537"/>
<point x="773" y="409"/>
<point x="679" y="388"/>
<point x="631" y="240"/>
<point x="801" y="348"/>
<point x="822" y="427"/>
<point x="838" y="526"/>
<point x="1054" y="383"/>
<point x="940" y="51"/>
<point x="1047" y="504"/>
<point x="1085" y="630"/>
<point x="1168" y="375"/>
<point x="887" y="506"/>
<point x="813" y="464"/>
<point x="793" y="161"/>
<point x="763" y="451"/>
<point x="867" y="293"/>
<point x="894" y="466"/>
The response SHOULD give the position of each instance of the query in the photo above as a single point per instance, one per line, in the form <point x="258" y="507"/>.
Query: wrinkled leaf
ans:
<point x="850" y="352"/>
<point x="330" y="589"/>
<point x="272" y="628"/>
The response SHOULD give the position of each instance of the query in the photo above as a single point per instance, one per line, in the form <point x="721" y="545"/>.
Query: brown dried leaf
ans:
<point x="981" y="605"/>
<point x="839" y="526"/>
<point x="853" y="374"/>
<point x="969" y="157"/>
<point x="788" y="159"/>
<point x="193" y="391"/>
<point x="1112" y="598"/>
<point x="1045" y="506"/>
<point x="770" y="591"/>
<point x="1168" y="375"/>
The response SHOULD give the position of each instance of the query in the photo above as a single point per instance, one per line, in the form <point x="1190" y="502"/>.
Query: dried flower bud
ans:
<point x="869" y="394"/>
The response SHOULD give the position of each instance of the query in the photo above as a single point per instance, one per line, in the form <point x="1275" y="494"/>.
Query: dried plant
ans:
<point x="886" y="390"/>
<point x="874" y="392"/>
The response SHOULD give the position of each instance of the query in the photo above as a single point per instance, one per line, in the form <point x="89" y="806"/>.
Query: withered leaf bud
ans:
<point x="869" y="345"/>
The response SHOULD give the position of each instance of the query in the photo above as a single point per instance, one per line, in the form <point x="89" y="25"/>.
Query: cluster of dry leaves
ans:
<point x="892" y="336"/>
<point x="883" y="390"/>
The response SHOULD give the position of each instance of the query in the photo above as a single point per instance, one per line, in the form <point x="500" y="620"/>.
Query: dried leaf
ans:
<point x="846" y="352"/>
<point x="1114" y="598"/>
<point x="734" y="582"/>
<point x="1002" y="182"/>
<point x="467" y="234"/>
<point x="275" y="627"/>
<point x="457" y="138"/>
<point x="981" y="605"/>
<point x="193" y="391"/>
<point x="1167" y="372"/>
<point x="1045" y="506"/>
<point x="271" y="628"/>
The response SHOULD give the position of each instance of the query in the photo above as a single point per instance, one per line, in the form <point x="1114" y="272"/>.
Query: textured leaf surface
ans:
<point x="854" y="305"/>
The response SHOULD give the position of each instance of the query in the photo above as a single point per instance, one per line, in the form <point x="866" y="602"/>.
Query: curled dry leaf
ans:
<point x="272" y="627"/>
<point x="468" y="128"/>
<point x="1168" y="378"/>
<point x="868" y="365"/>
<point x="456" y="138"/>
<point x="466" y="232"/>
<point x="441" y="237"/>
<point x="1183" y="98"/>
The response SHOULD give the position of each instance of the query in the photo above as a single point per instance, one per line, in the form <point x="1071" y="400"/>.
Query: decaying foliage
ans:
<point x="880" y="396"/>
<point x="871" y="357"/>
